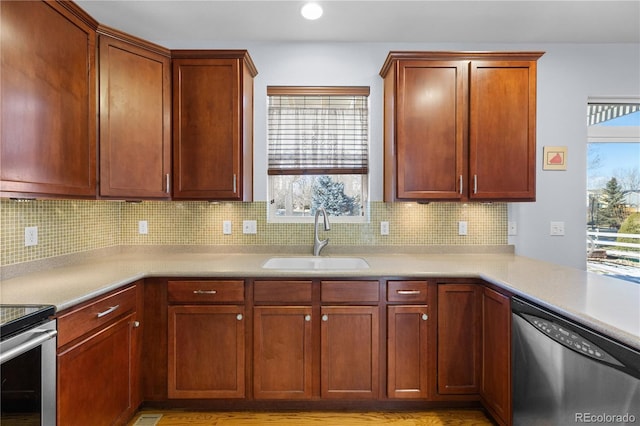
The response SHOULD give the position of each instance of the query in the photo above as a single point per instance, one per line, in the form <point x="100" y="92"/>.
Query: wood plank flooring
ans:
<point x="329" y="418"/>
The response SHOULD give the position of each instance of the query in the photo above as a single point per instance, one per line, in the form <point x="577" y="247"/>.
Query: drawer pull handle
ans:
<point x="325" y="318"/>
<point x="239" y="317"/>
<point x="425" y="317"/>
<point x="108" y="311"/>
<point x="408" y="291"/>
<point x="307" y="318"/>
<point x="136" y="324"/>
<point x="204" y="292"/>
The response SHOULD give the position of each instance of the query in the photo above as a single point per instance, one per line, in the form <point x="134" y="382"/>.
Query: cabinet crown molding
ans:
<point x="217" y="54"/>
<point x="455" y="55"/>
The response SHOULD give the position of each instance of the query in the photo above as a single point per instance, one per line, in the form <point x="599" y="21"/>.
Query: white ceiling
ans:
<point x="179" y="24"/>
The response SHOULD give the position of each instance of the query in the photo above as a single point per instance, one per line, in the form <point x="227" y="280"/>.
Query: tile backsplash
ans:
<point x="70" y="226"/>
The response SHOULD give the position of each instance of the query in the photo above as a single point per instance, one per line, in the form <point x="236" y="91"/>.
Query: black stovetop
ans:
<point x="16" y="318"/>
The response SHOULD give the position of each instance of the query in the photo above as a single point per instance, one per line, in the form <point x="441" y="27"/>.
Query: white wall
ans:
<point x="567" y="75"/>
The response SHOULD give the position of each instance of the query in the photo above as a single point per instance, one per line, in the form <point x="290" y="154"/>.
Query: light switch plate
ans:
<point x="462" y="227"/>
<point x="249" y="227"/>
<point x="143" y="227"/>
<point x="226" y="227"/>
<point x="556" y="229"/>
<point x="384" y="228"/>
<point x="30" y="236"/>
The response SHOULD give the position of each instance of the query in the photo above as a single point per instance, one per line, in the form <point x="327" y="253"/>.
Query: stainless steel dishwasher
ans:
<point x="565" y="374"/>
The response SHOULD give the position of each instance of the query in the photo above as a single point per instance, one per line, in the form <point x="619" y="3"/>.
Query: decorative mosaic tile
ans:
<point x="68" y="226"/>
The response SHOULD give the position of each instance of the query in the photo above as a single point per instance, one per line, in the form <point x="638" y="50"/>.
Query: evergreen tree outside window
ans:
<point x="318" y="152"/>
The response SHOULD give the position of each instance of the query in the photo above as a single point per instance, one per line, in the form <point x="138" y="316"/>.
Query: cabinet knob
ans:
<point x="239" y="317"/>
<point x="425" y="317"/>
<point x="325" y="317"/>
<point x="136" y="324"/>
<point x="307" y="318"/>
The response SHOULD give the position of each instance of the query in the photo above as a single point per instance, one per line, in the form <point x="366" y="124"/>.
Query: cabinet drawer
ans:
<point x="407" y="291"/>
<point x="77" y="322"/>
<point x="282" y="291"/>
<point x="349" y="291"/>
<point x="206" y="291"/>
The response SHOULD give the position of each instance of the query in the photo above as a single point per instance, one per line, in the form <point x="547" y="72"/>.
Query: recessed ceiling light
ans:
<point x="311" y="11"/>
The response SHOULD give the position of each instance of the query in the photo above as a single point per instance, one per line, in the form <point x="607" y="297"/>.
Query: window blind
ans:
<point x="315" y="131"/>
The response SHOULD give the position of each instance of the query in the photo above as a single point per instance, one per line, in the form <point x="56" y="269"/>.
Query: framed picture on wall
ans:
<point x="554" y="158"/>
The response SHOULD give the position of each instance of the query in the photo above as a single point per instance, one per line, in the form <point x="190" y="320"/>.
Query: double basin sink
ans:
<point x="308" y="263"/>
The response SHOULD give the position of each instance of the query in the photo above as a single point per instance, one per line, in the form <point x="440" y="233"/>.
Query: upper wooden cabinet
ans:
<point x="460" y="126"/>
<point x="213" y="125"/>
<point x="48" y="102"/>
<point x="135" y="117"/>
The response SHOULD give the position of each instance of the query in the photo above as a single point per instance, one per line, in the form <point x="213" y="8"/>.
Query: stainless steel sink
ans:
<point x="316" y="263"/>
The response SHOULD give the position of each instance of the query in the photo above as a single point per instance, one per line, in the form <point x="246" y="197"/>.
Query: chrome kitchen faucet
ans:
<point x="317" y="244"/>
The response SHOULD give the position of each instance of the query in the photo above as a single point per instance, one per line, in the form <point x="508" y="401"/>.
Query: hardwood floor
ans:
<point x="331" y="418"/>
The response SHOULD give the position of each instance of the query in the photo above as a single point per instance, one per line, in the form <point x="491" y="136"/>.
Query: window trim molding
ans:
<point x="318" y="90"/>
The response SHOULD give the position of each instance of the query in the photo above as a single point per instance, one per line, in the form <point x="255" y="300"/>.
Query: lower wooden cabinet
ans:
<point x="408" y="351"/>
<point x="410" y="339"/>
<point x="282" y="352"/>
<point x="93" y="384"/>
<point x="496" y="355"/>
<point x="459" y="334"/>
<point x="206" y="351"/>
<point x="349" y="352"/>
<point x="327" y="342"/>
<point x="98" y="367"/>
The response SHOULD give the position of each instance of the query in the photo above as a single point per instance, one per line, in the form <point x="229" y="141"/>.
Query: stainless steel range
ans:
<point x="28" y="365"/>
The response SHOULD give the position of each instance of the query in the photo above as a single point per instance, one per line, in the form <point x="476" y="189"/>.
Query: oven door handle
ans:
<point x="39" y="337"/>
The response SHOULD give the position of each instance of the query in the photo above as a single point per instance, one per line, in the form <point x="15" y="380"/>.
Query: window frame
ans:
<point x="321" y="91"/>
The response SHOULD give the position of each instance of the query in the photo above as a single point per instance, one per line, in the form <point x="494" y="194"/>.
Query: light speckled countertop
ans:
<point x="607" y="305"/>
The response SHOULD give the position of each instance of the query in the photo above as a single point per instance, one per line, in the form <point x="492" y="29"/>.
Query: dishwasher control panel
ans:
<point x="570" y="339"/>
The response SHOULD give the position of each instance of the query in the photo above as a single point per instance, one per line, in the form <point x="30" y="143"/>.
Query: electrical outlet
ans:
<point x="226" y="227"/>
<point x="512" y="228"/>
<point x="384" y="228"/>
<point x="249" y="227"/>
<point x="556" y="229"/>
<point x="462" y="227"/>
<point x="143" y="227"/>
<point x="30" y="236"/>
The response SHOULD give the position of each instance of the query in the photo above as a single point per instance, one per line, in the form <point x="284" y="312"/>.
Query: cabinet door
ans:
<point x="282" y="352"/>
<point x="135" y="121"/>
<point x="431" y="122"/>
<point x="48" y="102"/>
<point x="496" y="355"/>
<point x="407" y="351"/>
<point x="349" y="352"/>
<point x="94" y="378"/>
<point x="206" y="352"/>
<point x="206" y="124"/>
<point x="503" y="130"/>
<point x="459" y="331"/>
